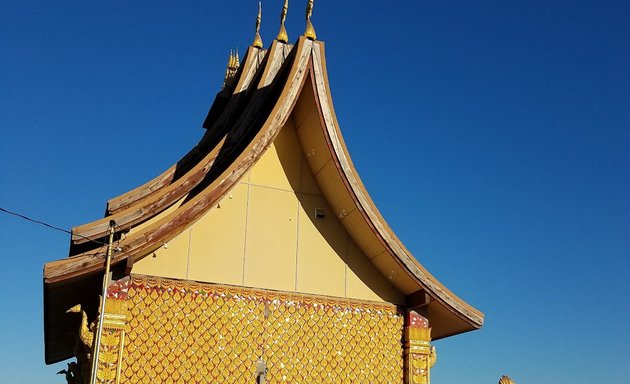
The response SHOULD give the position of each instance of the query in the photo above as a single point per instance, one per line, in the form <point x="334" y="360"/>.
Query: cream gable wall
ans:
<point x="265" y="234"/>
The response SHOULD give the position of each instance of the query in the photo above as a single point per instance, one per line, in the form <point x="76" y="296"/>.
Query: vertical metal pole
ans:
<point x="429" y="367"/>
<point x="97" y="341"/>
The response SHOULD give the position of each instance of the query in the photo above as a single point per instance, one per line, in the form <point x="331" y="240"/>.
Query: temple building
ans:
<point x="258" y="257"/>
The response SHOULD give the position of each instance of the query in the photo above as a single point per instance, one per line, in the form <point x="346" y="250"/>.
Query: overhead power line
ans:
<point x="24" y="217"/>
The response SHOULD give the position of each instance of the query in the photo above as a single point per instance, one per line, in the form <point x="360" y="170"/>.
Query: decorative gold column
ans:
<point x="419" y="355"/>
<point x="113" y="338"/>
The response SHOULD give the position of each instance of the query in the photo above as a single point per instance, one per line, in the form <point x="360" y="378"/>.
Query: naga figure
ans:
<point x="72" y="373"/>
<point x="82" y="348"/>
<point x="433" y="357"/>
<point x="506" y="380"/>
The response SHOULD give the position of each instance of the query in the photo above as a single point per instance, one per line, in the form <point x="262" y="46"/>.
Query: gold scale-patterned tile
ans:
<point x="185" y="332"/>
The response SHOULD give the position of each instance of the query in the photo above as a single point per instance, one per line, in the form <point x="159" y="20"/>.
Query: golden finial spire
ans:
<point x="282" y="34"/>
<point x="232" y="67"/>
<point x="230" y="64"/>
<point x="257" y="40"/>
<point x="310" y="31"/>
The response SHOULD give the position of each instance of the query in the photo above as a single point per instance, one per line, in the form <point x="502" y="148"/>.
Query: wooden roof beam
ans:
<point x="418" y="301"/>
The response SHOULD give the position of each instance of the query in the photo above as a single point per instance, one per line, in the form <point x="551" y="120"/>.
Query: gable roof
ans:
<point x="242" y="123"/>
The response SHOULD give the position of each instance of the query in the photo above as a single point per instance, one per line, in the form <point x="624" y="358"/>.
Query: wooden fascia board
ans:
<point x="150" y="205"/>
<point x="141" y="243"/>
<point x="251" y="61"/>
<point x="368" y="209"/>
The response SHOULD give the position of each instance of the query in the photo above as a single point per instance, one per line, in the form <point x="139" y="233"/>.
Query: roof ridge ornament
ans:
<point x="258" y="43"/>
<point x="232" y="66"/>
<point x="283" y="36"/>
<point x="310" y="30"/>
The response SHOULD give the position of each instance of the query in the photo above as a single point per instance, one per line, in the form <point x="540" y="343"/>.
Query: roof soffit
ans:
<point x="364" y="204"/>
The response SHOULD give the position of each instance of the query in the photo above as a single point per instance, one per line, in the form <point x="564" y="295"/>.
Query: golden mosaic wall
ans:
<point x="184" y="332"/>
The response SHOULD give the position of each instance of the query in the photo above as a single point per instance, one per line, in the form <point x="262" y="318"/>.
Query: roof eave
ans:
<point x="370" y="214"/>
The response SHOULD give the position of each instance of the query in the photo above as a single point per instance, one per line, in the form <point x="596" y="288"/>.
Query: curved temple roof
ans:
<point x="242" y="123"/>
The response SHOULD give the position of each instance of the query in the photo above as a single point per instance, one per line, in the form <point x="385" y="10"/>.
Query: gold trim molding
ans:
<point x="419" y="354"/>
<point x="263" y="295"/>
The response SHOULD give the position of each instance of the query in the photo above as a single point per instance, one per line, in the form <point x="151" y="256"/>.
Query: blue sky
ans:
<point x="493" y="135"/>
